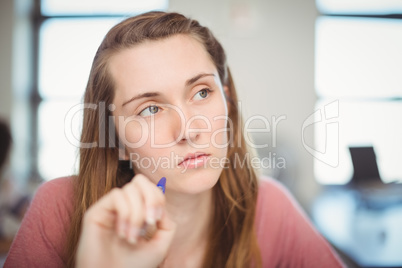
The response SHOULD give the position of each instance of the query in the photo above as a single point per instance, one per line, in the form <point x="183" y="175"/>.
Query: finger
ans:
<point x="112" y="209"/>
<point x="136" y="217"/>
<point x="166" y="229"/>
<point x="166" y="224"/>
<point x="153" y="198"/>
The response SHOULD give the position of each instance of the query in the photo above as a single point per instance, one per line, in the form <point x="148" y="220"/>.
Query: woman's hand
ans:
<point x="111" y="228"/>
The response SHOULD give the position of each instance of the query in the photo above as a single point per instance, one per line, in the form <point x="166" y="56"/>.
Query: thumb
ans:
<point x="166" y="223"/>
<point x="166" y="228"/>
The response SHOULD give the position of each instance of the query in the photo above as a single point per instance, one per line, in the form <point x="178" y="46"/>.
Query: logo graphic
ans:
<point x="326" y="123"/>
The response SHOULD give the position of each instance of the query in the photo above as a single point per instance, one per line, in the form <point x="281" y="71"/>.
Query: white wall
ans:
<point x="270" y="47"/>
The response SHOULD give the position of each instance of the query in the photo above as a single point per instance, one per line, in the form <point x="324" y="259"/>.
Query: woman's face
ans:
<point x="171" y="113"/>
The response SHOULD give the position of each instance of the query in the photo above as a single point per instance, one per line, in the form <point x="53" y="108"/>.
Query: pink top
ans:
<point x="285" y="235"/>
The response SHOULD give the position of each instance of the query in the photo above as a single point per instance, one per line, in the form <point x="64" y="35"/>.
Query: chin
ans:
<point x="193" y="181"/>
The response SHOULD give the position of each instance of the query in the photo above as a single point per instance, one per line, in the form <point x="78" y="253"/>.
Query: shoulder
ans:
<point x="59" y="185"/>
<point x="269" y="184"/>
<point x="275" y="204"/>
<point x="54" y="193"/>
<point x="274" y="208"/>
<point x="284" y="231"/>
<point x="53" y="198"/>
<point x="271" y="190"/>
<point x="43" y="232"/>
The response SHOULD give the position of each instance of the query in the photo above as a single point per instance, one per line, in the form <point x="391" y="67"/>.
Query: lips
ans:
<point x="194" y="160"/>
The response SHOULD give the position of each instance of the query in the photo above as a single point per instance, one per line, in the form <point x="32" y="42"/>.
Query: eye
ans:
<point x="150" y="110"/>
<point x="202" y="94"/>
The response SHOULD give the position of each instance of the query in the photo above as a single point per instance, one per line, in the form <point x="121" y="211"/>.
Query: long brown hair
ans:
<point x="232" y="239"/>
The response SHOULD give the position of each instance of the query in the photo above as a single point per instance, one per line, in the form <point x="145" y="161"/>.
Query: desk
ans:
<point x="369" y="235"/>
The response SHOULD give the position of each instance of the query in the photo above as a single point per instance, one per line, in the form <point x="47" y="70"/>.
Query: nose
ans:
<point x="189" y="127"/>
<point x="191" y="133"/>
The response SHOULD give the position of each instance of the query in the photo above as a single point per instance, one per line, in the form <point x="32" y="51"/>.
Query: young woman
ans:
<point x="163" y="100"/>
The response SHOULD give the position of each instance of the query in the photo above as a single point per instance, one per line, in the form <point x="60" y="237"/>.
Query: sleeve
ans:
<point x="41" y="237"/>
<point x="295" y="241"/>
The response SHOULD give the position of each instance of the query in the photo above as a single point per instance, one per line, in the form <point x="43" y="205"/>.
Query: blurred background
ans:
<point x="320" y="89"/>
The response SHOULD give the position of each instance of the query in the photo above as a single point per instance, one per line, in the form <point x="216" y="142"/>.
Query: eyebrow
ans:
<point x="140" y="96"/>
<point x="189" y="82"/>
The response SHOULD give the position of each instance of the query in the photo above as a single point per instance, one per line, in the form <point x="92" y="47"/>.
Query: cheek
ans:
<point x="219" y="121"/>
<point x="137" y="133"/>
<point x="219" y="137"/>
<point x="133" y="132"/>
<point x="163" y="131"/>
<point x="149" y="161"/>
<point x="147" y="143"/>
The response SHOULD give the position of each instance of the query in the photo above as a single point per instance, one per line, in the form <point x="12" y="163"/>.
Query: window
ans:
<point x="100" y="7"/>
<point x="68" y="34"/>
<point x="359" y="7"/>
<point x="357" y="63"/>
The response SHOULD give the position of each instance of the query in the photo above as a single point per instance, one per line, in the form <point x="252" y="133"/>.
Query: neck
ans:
<point x="192" y="214"/>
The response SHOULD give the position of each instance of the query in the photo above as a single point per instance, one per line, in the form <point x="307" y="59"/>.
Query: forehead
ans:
<point x="160" y="63"/>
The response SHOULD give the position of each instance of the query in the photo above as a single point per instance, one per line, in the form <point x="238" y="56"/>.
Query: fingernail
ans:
<point x="159" y="213"/>
<point x="151" y="213"/>
<point x="122" y="229"/>
<point x="133" y="234"/>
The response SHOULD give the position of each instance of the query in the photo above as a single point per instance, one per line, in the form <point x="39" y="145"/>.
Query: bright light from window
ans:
<point x="67" y="49"/>
<point x="358" y="58"/>
<point x="57" y="155"/>
<point x="377" y="124"/>
<point x="103" y="7"/>
<point x="359" y="6"/>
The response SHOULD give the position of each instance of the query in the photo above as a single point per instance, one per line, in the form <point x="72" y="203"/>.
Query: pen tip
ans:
<point x="162" y="184"/>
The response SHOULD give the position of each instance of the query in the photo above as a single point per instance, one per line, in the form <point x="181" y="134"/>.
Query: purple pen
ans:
<point x="162" y="184"/>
